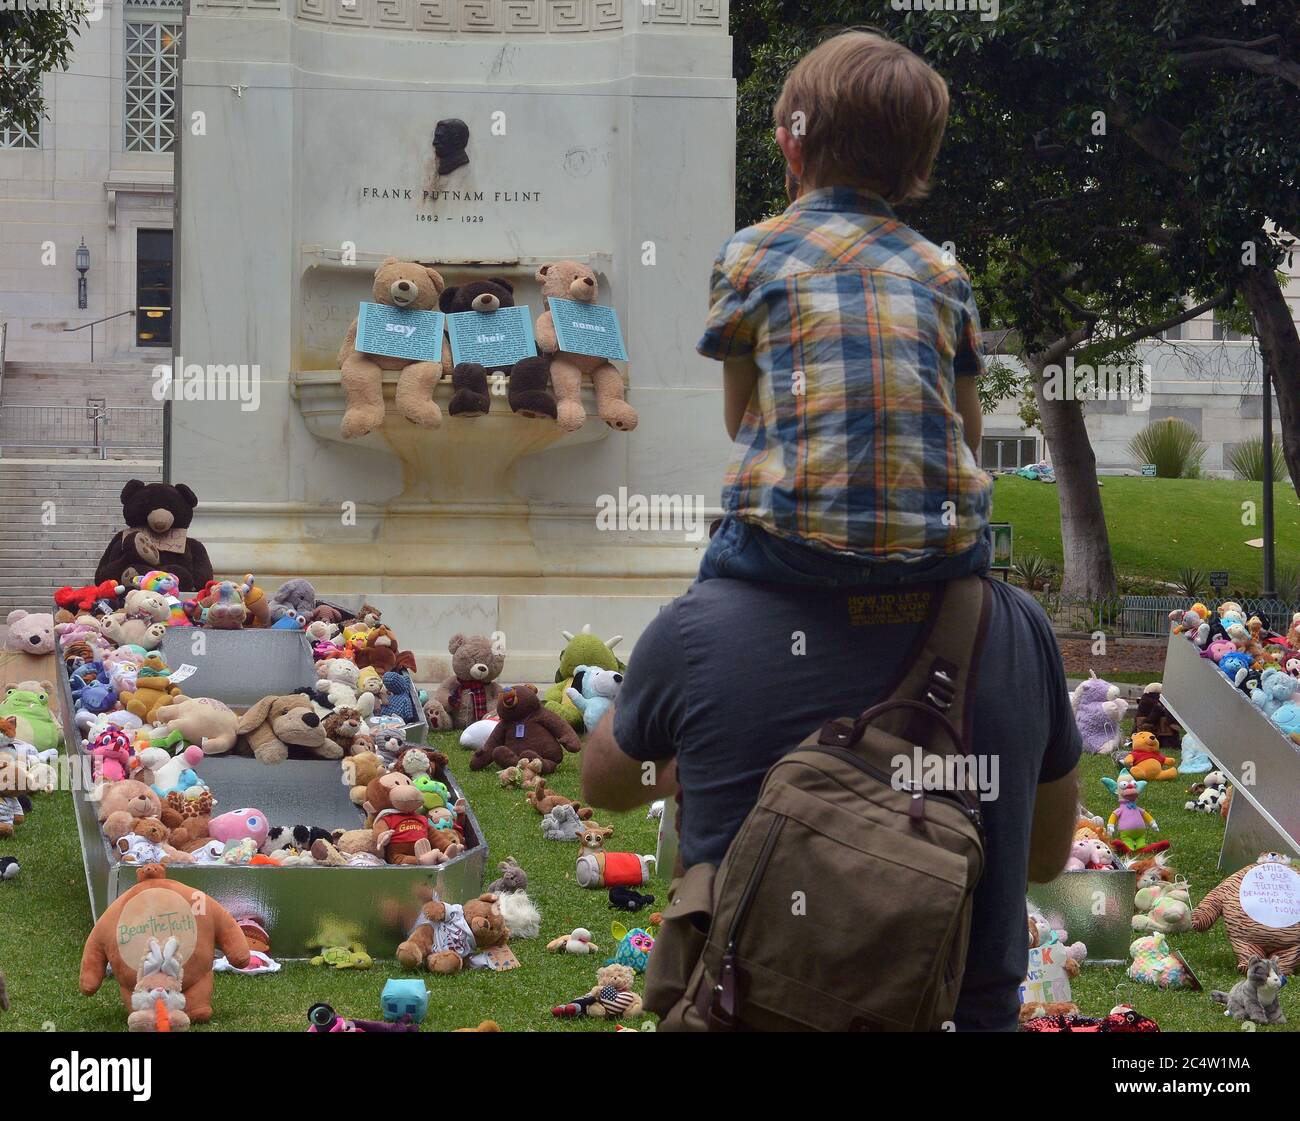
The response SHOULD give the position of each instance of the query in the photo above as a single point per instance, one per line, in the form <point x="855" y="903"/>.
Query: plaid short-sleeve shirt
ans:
<point x="859" y="328"/>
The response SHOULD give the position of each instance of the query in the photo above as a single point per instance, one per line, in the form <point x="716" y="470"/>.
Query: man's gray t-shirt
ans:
<point x="732" y="675"/>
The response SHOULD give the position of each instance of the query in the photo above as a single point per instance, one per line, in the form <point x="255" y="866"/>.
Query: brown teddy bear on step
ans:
<point x="525" y="730"/>
<point x="471" y="692"/>
<point x="569" y="280"/>
<point x="124" y="802"/>
<point x="401" y="284"/>
<point x="447" y="936"/>
<point x="381" y="653"/>
<point x="528" y="391"/>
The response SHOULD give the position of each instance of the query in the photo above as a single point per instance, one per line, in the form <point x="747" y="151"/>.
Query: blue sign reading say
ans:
<point x="398" y="332"/>
<point x="495" y="339"/>
<point x="587" y="328"/>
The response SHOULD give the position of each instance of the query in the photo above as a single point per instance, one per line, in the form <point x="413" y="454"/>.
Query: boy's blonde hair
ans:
<point x="870" y="113"/>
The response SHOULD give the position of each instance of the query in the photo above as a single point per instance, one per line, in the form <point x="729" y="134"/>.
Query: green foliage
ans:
<point x="1036" y="572"/>
<point x="32" y="43"/>
<point x="1248" y="460"/>
<point x="1191" y="582"/>
<point x="1172" y="445"/>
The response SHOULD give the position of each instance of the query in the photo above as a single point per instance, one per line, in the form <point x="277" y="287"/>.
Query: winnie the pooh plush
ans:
<point x="400" y="284"/>
<point x="447" y="936"/>
<point x="157" y="516"/>
<point x="528" y="391"/>
<point x="153" y="690"/>
<point x="569" y="280"/>
<point x="154" y="907"/>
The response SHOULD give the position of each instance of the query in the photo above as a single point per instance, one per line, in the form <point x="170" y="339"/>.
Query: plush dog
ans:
<point x="276" y="723"/>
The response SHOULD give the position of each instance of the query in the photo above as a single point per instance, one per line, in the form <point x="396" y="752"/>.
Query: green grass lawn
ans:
<point x="1158" y="526"/>
<point x="1194" y="853"/>
<point x="45" y="918"/>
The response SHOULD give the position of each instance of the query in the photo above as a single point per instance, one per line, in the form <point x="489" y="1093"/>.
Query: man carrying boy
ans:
<point x="851" y="347"/>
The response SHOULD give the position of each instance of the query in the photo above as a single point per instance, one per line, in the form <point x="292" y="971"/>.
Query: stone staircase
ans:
<point x="80" y="496"/>
<point x="118" y="382"/>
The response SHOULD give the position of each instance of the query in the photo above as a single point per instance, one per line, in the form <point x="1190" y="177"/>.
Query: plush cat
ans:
<point x="1255" y="996"/>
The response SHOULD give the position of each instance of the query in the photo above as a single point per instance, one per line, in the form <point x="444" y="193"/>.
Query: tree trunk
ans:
<point x="1280" y="347"/>
<point x="1089" y="570"/>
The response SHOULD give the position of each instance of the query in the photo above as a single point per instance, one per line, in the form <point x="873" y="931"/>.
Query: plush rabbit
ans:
<point x="158" y="1003"/>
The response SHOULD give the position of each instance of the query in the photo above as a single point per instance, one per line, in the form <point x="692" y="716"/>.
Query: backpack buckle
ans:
<point x="942" y="689"/>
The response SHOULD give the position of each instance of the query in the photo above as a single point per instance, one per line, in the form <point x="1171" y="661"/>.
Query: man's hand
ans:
<point x="613" y="780"/>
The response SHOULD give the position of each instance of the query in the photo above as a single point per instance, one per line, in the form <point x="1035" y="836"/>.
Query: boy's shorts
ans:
<point x="740" y="550"/>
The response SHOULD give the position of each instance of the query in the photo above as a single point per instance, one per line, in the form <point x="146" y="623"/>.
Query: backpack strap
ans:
<point x="942" y="672"/>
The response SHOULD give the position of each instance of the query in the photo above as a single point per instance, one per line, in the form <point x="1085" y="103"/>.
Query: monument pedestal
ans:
<point x="597" y="130"/>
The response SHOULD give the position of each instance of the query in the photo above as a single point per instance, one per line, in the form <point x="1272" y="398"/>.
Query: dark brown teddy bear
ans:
<point x="529" y="389"/>
<point x="157" y="517"/>
<point x="445" y="935"/>
<point x="526" y="731"/>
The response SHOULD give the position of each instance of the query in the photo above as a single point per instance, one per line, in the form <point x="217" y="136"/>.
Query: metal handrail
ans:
<point x="4" y="338"/>
<point x="94" y="323"/>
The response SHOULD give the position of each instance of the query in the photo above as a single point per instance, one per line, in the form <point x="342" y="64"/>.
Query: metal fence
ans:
<point x="1145" y="616"/>
<point x="81" y="430"/>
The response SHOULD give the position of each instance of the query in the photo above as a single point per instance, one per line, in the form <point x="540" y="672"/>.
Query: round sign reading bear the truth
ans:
<point x="1270" y="894"/>
<point x="151" y="914"/>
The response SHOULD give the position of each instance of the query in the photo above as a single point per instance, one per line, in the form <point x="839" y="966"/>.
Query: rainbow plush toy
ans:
<point x="165" y="584"/>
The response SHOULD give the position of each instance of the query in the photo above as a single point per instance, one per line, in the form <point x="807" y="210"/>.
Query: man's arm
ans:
<point x="613" y="780"/>
<point x="739" y="379"/>
<point x="972" y="416"/>
<point x="1056" y="809"/>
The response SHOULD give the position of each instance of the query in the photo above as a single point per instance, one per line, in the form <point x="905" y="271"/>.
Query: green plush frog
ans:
<point x="29" y="703"/>
<point x="435" y="793"/>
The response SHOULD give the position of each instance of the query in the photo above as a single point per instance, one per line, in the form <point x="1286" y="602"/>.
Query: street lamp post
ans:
<point x="83" y="267"/>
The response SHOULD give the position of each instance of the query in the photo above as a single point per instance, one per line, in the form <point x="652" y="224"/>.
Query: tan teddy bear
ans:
<point x="471" y="692"/>
<point x="569" y="280"/>
<point x="447" y="935"/>
<point x="401" y="284"/>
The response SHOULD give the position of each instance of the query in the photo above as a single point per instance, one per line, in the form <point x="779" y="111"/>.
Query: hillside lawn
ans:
<point x="1159" y="526"/>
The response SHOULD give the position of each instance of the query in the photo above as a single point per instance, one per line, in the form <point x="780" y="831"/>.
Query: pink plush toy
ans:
<point x="238" y="824"/>
<point x="113" y="755"/>
<point x="1087" y="852"/>
<point x="30" y="633"/>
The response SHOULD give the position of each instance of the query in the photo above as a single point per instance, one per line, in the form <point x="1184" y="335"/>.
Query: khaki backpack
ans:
<point x="844" y="901"/>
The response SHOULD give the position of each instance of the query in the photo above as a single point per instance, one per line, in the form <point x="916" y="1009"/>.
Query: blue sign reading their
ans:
<point x="396" y="332"/>
<point x="587" y="329"/>
<point x="495" y="339"/>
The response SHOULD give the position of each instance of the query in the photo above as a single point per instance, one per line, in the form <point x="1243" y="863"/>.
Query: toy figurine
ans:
<point x="1129" y="822"/>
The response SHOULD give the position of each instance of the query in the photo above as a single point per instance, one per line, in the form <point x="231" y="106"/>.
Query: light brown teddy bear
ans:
<point x="153" y="690"/>
<point x="612" y="997"/>
<point x="446" y="935"/>
<point x="471" y="692"/>
<point x="568" y="280"/>
<point x="401" y="284"/>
